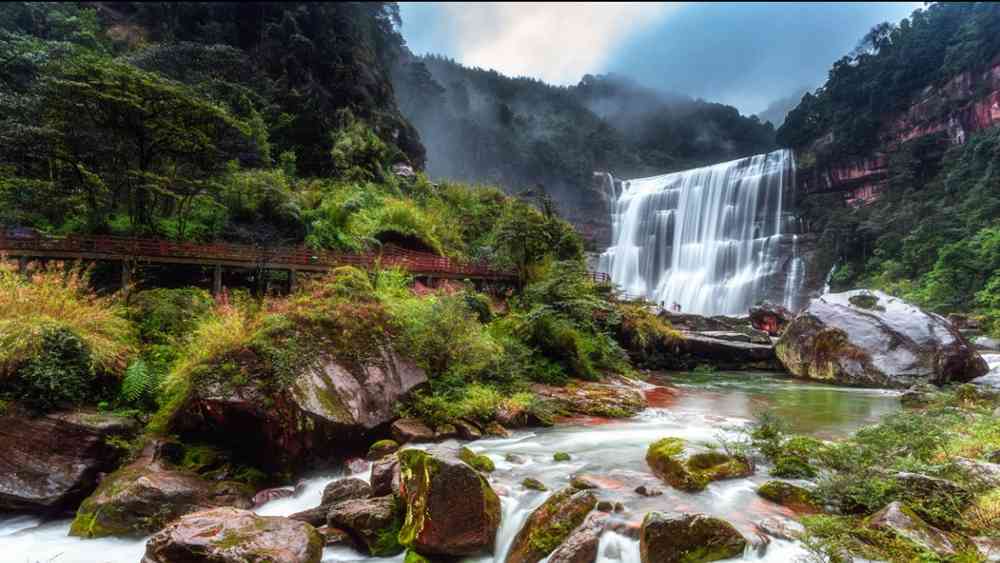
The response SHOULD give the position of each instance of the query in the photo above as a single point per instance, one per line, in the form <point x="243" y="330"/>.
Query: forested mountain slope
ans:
<point x="905" y="128"/>
<point x="479" y="125"/>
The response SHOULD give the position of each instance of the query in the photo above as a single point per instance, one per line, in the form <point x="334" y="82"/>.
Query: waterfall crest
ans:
<point x="704" y="238"/>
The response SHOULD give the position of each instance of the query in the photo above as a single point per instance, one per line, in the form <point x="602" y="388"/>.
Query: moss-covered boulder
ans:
<point x="868" y="338"/>
<point x="230" y="535"/>
<point x="334" y="492"/>
<point x="786" y="494"/>
<point x="550" y="524"/>
<point x="147" y="494"/>
<point x="793" y="467"/>
<point x="690" y="470"/>
<point x="614" y="398"/>
<point x="561" y="456"/>
<point x="533" y="484"/>
<point x="382" y="448"/>
<point x="50" y="463"/>
<point x="900" y="521"/>
<point x="688" y="538"/>
<point x="481" y="462"/>
<point x="581" y="545"/>
<point x="301" y="405"/>
<point x="450" y="508"/>
<point x="373" y="523"/>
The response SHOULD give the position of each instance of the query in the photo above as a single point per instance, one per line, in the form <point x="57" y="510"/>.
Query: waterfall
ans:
<point x="705" y="238"/>
<point x="795" y="277"/>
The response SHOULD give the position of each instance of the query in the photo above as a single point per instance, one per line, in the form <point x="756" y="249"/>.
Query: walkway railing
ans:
<point x="111" y="247"/>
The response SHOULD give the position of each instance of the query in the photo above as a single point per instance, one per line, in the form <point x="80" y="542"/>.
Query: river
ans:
<point x="699" y="408"/>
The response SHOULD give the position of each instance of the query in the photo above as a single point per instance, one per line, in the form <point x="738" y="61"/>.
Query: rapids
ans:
<point x="697" y="408"/>
<point x="706" y="239"/>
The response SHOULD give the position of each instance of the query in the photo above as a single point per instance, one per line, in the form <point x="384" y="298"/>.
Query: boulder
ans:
<point x="334" y="492"/>
<point x="983" y="473"/>
<point x="900" y="521"/>
<point x="614" y="398"/>
<point x="267" y="495"/>
<point x="867" y="338"/>
<point x="697" y="348"/>
<point x="688" y="538"/>
<point x="987" y="344"/>
<point x="770" y="318"/>
<point x="230" y="535"/>
<point x="335" y="536"/>
<point x="144" y="496"/>
<point x="382" y="448"/>
<point x="308" y="419"/>
<point x="451" y="507"/>
<point x="533" y="484"/>
<point x="480" y="462"/>
<point x="648" y="491"/>
<point x="50" y="463"/>
<point x="372" y="522"/>
<point x="445" y="432"/>
<point x="468" y="430"/>
<point x="688" y="469"/>
<point x="550" y="524"/>
<point x="786" y="494"/>
<point x="781" y="528"/>
<point x="385" y="476"/>
<point x="407" y="430"/>
<point x="581" y="545"/>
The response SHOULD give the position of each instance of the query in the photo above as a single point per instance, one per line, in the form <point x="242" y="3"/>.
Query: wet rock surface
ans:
<point x="688" y="538"/>
<point x="305" y="421"/>
<point x="145" y="495"/>
<point x="868" y="338"/>
<point x="899" y="520"/>
<point x="451" y="509"/>
<point x="690" y="469"/>
<point x="581" y="545"/>
<point x="50" y="463"/>
<point x="372" y="522"/>
<point x="406" y="430"/>
<point x="230" y="535"/>
<point x="550" y="524"/>
<point x="334" y="492"/>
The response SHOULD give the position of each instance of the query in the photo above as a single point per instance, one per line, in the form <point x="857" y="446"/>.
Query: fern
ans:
<point x="138" y="383"/>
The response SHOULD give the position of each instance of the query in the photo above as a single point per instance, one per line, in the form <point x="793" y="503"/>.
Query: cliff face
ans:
<point x="968" y="103"/>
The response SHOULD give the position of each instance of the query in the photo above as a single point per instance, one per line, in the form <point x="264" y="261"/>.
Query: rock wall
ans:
<point x="968" y="103"/>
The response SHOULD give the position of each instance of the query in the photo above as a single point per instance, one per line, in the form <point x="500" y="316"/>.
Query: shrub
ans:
<point x="163" y="315"/>
<point x="60" y="373"/>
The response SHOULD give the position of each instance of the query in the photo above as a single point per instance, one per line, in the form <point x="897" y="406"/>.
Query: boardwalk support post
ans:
<point x="22" y="265"/>
<point x="292" y="281"/>
<point x="217" y="280"/>
<point x="126" y="275"/>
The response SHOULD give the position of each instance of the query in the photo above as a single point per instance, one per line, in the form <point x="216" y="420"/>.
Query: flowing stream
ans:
<point x="705" y="239"/>
<point x="698" y="408"/>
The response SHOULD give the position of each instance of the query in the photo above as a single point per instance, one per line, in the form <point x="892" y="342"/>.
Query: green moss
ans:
<point x="417" y="469"/>
<point x="866" y="301"/>
<point x="788" y="495"/>
<point x="533" y="484"/>
<point x="480" y="462"/>
<point x="387" y="541"/>
<point x="233" y="539"/>
<point x="381" y="448"/>
<point x="561" y="456"/>
<point x="414" y="557"/>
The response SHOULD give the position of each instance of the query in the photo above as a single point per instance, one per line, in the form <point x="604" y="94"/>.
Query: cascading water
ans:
<point x="795" y="277"/>
<point x="704" y="239"/>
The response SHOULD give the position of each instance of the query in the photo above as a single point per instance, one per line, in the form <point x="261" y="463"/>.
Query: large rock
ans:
<point x="867" y="338"/>
<point x="50" y="463"/>
<point x="334" y="492"/>
<point x="581" y="545"/>
<point x="385" y="476"/>
<point x="900" y="521"/>
<point x="786" y="494"/>
<point x="689" y="469"/>
<point x="373" y="523"/>
<point x="688" y="538"/>
<point x="550" y="524"/>
<point x="230" y="535"/>
<point x="613" y="398"/>
<point x="770" y="318"/>
<point x="324" y="406"/>
<point x="147" y="494"/>
<point x="697" y="348"/>
<point x="451" y="507"/>
<point x="406" y="430"/>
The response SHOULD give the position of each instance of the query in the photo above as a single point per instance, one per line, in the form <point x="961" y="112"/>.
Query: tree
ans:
<point x="123" y="137"/>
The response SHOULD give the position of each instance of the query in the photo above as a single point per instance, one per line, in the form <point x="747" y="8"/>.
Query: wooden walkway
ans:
<point x="219" y="256"/>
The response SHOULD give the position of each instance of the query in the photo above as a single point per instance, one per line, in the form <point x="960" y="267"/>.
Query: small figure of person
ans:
<point x="677" y="307"/>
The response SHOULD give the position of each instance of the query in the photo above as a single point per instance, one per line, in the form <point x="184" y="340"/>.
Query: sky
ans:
<point x="743" y="54"/>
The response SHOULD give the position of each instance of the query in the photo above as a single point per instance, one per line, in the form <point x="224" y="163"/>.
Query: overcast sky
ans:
<point x="744" y="54"/>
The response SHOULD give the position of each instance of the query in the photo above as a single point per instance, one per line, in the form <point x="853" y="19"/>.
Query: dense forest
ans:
<point x="519" y="133"/>
<point x="933" y="236"/>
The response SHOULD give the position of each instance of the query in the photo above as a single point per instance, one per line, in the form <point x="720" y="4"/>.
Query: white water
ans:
<point x="795" y="277"/>
<point x="704" y="238"/>
<point x="696" y="410"/>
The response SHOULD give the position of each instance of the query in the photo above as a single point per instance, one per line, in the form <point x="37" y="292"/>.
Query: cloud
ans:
<point x="557" y="42"/>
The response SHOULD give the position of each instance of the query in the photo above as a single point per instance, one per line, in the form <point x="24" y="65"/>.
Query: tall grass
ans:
<point x="57" y="296"/>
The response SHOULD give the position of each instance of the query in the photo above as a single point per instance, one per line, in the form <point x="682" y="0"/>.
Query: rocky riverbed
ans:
<point x="606" y="458"/>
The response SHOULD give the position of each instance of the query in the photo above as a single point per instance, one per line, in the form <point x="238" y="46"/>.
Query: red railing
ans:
<point x="600" y="277"/>
<point x="273" y="256"/>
